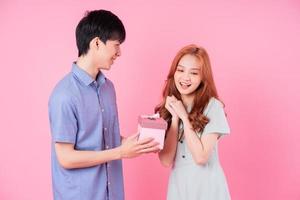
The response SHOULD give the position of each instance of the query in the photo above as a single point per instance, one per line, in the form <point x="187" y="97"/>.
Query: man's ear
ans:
<point x="95" y="43"/>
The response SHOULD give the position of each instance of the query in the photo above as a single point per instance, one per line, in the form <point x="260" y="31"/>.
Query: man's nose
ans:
<point x="119" y="52"/>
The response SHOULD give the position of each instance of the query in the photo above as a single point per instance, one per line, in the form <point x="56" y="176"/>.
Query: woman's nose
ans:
<point x="186" y="76"/>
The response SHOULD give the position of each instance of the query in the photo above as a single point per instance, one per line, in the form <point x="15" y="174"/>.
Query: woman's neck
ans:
<point x="187" y="100"/>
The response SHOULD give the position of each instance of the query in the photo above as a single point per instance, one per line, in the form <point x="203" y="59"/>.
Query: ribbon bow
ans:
<point x="152" y="117"/>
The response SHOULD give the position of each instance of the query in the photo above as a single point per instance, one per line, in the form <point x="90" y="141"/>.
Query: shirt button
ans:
<point x="107" y="146"/>
<point x="183" y="156"/>
<point x="181" y="141"/>
<point x="102" y="110"/>
<point x="108" y="183"/>
<point x="105" y="129"/>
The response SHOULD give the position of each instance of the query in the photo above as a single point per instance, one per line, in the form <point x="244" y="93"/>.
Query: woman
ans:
<point x="196" y="122"/>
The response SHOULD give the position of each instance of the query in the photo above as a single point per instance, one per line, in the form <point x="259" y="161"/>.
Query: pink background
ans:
<point x="254" y="48"/>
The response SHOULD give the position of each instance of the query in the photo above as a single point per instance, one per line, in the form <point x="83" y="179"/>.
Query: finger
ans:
<point x="174" y="98"/>
<point x="133" y="137"/>
<point x="168" y="107"/>
<point x="173" y="105"/>
<point x="156" y="151"/>
<point x="168" y="99"/>
<point x="149" y="150"/>
<point x="149" y="145"/>
<point x="171" y="110"/>
<point x="145" y="141"/>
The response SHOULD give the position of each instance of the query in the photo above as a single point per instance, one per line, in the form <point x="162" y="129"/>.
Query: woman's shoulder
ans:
<point x="213" y="104"/>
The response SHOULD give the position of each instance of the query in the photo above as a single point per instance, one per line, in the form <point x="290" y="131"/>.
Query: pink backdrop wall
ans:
<point x="254" y="48"/>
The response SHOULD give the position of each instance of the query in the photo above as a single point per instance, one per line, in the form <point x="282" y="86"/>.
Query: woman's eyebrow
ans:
<point x="194" y="68"/>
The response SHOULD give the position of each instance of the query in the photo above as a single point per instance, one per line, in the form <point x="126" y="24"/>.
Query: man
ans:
<point x="86" y="142"/>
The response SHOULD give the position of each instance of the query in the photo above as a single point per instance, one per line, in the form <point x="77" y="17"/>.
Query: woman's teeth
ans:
<point x="184" y="85"/>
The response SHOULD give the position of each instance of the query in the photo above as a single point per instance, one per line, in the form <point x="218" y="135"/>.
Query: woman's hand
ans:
<point x="169" y="107"/>
<point x="178" y="107"/>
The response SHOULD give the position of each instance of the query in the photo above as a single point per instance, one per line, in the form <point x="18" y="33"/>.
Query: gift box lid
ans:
<point x="152" y="122"/>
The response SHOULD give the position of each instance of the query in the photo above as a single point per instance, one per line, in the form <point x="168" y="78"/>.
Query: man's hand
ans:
<point x="131" y="147"/>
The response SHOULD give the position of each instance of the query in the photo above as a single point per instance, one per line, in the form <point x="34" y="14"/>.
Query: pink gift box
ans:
<point x="154" y="127"/>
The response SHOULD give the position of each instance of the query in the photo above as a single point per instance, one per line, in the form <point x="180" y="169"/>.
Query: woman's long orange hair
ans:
<point x="203" y="93"/>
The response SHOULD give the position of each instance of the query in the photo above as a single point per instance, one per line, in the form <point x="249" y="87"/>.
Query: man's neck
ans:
<point x="85" y="64"/>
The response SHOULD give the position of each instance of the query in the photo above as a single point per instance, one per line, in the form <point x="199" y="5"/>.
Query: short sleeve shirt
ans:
<point x="83" y="112"/>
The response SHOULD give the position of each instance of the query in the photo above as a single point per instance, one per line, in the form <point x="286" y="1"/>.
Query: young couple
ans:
<point x="87" y="147"/>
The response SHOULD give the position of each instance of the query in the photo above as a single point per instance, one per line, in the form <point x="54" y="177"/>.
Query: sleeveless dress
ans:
<point x="190" y="181"/>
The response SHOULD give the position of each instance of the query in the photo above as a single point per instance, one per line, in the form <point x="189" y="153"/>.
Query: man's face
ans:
<point x="107" y="53"/>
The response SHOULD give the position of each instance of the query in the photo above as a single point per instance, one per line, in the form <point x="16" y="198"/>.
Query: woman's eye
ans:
<point x="194" y="73"/>
<point x="179" y="70"/>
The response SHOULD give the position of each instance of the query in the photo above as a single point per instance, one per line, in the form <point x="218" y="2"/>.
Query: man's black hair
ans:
<point x="98" y="23"/>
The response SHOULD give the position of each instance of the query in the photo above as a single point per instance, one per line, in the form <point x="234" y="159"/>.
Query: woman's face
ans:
<point x="187" y="75"/>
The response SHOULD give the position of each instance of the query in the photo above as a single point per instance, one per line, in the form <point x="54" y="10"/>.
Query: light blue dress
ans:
<point x="190" y="181"/>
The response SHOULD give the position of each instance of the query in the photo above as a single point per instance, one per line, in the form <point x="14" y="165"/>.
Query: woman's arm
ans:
<point x="201" y="148"/>
<point x="167" y="155"/>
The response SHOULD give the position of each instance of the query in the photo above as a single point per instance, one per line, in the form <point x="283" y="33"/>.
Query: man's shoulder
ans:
<point x="110" y="84"/>
<point x="64" y="88"/>
<point x="108" y="81"/>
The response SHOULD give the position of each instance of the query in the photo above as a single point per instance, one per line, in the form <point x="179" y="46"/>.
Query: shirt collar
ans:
<point x="85" y="77"/>
<point x="100" y="78"/>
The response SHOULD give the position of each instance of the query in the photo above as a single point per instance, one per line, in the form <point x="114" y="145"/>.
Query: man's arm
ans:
<point x="70" y="158"/>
